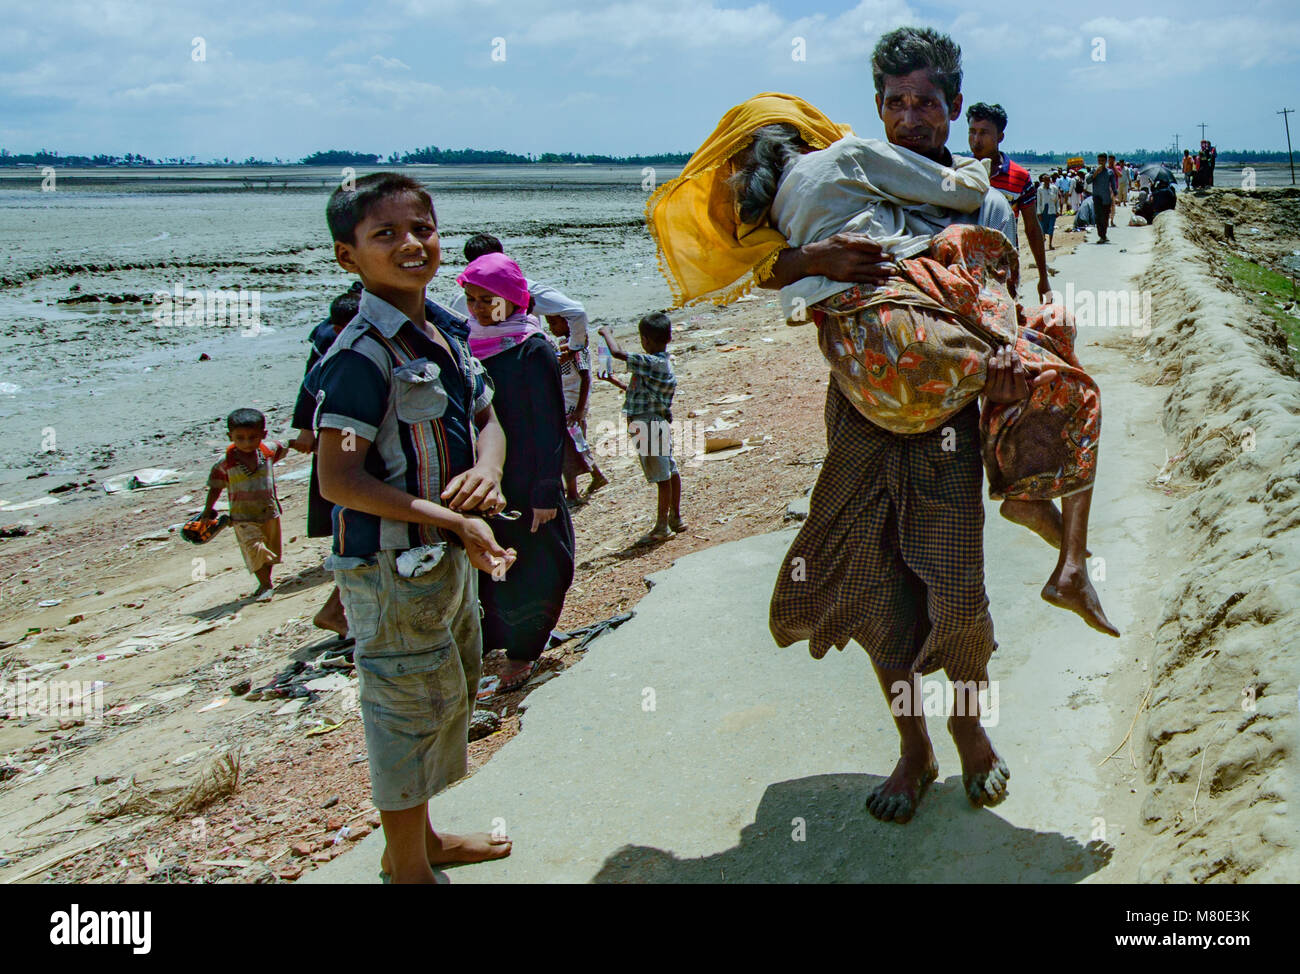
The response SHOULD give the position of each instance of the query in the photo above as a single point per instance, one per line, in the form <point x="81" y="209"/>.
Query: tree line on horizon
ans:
<point x="432" y="155"/>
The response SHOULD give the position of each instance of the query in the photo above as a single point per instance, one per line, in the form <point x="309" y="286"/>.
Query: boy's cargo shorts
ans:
<point x="259" y="542"/>
<point x="419" y="653"/>
<point x="652" y="437"/>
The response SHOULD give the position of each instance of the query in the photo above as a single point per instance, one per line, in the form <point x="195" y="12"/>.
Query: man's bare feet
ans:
<point x="676" y="523"/>
<point x="1070" y="588"/>
<point x="897" y="798"/>
<point x="447" y="849"/>
<point x="983" y="773"/>
<point x="331" y="615"/>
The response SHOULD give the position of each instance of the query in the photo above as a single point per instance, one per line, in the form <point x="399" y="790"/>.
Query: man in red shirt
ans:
<point x="986" y="125"/>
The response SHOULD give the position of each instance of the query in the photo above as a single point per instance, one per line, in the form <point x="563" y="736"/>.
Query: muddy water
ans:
<point x="95" y="387"/>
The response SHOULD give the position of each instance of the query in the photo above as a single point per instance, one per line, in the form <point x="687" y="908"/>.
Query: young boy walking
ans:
<point x="246" y="474"/>
<point x="648" y="408"/>
<point x="409" y="448"/>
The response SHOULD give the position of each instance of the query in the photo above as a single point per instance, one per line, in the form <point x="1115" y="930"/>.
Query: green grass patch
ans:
<point x="1252" y="278"/>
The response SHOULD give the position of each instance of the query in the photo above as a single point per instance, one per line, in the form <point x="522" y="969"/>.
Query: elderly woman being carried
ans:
<point x="911" y="353"/>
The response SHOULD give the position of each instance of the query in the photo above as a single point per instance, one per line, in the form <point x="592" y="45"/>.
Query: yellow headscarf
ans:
<point x="704" y="252"/>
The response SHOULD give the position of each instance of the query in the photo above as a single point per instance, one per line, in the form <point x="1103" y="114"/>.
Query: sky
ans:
<point x="239" y="79"/>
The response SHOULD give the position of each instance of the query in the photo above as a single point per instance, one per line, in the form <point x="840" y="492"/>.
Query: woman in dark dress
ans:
<point x="521" y="610"/>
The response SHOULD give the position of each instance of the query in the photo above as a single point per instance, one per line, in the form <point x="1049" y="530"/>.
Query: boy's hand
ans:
<point x="477" y="489"/>
<point x="541" y="515"/>
<point x="481" y="546"/>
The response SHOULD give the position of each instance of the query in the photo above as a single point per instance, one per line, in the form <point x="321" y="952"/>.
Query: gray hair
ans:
<point x="909" y="49"/>
<point x="759" y="168"/>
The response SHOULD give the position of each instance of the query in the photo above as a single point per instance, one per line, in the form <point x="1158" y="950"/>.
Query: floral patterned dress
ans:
<point x="909" y="355"/>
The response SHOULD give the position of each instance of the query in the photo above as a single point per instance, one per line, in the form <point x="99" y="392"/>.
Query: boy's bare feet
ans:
<point x="1070" y="588"/>
<point x="331" y="616"/>
<point x="1041" y="517"/>
<point x="676" y="523"/>
<point x="983" y="773"/>
<point x="598" y="480"/>
<point x="897" y="798"/>
<point x="262" y="593"/>
<point x="447" y="849"/>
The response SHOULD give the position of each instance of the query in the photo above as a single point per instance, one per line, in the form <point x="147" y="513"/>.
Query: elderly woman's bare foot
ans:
<point x="897" y="798"/>
<point x="983" y="773"/>
<point x="1069" y="588"/>
<point x="1041" y="517"/>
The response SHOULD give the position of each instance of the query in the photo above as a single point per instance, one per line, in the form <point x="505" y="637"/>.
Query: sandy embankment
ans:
<point x="1220" y="736"/>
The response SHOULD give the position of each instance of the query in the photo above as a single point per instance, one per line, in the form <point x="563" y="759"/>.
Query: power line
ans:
<point x="1287" y="122"/>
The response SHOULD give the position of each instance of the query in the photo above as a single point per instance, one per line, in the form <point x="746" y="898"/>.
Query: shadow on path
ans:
<point x="947" y="841"/>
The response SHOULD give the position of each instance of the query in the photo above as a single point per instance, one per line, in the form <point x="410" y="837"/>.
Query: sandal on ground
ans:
<point x="518" y="682"/>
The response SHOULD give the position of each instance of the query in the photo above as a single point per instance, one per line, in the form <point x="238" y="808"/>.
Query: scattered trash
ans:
<point x="594" y="629"/>
<point x="49" y="603"/>
<point x="241" y="688"/>
<point x="144" y="479"/>
<point x="341" y="834"/>
<point x="171" y="693"/>
<point x="218" y="702"/>
<point x="323" y="729"/>
<point x="331" y="803"/>
<point x="335" y="681"/>
<point x="727" y="454"/>
<point x="205" y="357"/>
<point x="715" y="444"/>
<point x="71" y="485"/>
<point x="483" y="723"/>
<point x="17" y="531"/>
<point x="79" y="617"/>
<point x="292" y="707"/>
<point x="487" y="686"/>
<point x="38" y="502"/>
<point x="728" y="400"/>
<point x="126" y="710"/>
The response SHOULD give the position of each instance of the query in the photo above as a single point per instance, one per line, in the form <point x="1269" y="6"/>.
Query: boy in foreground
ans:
<point x="247" y="474"/>
<point x="410" y="450"/>
<point x="648" y="408"/>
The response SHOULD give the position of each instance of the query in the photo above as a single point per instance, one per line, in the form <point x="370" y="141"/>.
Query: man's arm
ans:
<point x="548" y="300"/>
<point x="1034" y="237"/>
<point x="849" y="257"/>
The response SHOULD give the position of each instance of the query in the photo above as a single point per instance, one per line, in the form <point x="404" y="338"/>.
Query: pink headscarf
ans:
<point x="500" y="275"/>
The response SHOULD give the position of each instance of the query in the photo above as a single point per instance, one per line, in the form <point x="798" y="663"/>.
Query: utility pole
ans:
<point x="1287" y="122"/>
<point x="1202" y="126"/>
<point x="1176" y="137"/>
